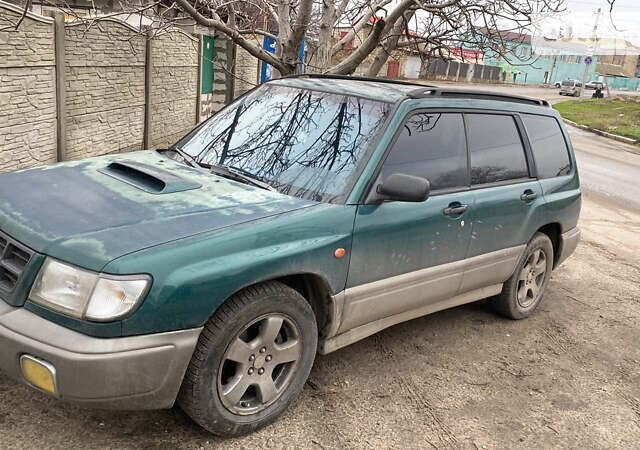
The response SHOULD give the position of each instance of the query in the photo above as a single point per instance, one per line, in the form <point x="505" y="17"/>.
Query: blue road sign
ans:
<point x="588" y="60"/>
<point x="269" y="45"/>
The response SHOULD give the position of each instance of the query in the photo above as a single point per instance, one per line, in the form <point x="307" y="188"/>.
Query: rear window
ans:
<point x="497" y="153"/>
<point x="550" y="150"/>
<point x="568" y="83"/>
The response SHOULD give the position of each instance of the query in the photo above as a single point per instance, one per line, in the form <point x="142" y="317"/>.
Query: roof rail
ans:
<point x="328" y="76"/>
<point x="475" y="94"/>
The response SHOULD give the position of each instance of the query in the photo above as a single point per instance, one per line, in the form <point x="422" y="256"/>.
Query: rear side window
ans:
<point x="550" y="150"/>
<point x="497" y="153"/>
<point x="431" y="145"/>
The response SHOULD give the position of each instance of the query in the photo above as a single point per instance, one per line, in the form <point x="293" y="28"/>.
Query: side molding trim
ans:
<point x="413" y="290"/>
<point x="355" y="334"/>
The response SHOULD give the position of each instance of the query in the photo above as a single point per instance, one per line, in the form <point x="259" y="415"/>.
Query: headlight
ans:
<point x="87" y="295"/>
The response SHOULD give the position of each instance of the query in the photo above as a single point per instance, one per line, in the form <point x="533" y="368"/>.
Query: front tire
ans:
<point x="523" y="292"/>
<point x="251" y="361"/>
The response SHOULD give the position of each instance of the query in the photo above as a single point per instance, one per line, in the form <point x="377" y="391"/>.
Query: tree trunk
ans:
<point x="323" y="58"/>
<point x="390" y="45"/>
<point x="350" y="64"/>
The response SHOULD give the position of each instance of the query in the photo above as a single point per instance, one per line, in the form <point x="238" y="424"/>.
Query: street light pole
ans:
<point x="590" y="50"/>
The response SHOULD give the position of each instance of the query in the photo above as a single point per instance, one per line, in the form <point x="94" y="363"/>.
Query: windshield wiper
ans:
<point x="229" y="172"/>
<point x="188" y="159"/>
<point x="222" y="170"/>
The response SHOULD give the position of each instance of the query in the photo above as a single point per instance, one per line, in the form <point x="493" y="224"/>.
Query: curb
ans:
<point x="615" y="137"/>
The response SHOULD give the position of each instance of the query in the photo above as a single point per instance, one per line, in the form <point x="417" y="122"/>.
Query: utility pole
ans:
<point x="590" y="51"/>
<point x="553" y="66"/>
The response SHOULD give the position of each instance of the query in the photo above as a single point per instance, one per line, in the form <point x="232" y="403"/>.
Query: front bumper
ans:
<point x="568" y="243"/>
<point x="137" y="372"/>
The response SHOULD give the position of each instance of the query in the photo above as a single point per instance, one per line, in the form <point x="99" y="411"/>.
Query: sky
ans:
<point x="623" y="23"/>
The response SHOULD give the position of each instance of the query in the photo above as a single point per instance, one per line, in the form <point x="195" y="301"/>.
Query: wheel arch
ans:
<point x="314" y="288"/>
<point x="553" y="231"/>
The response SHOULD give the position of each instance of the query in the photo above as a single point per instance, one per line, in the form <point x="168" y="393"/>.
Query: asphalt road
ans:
<point x="608" y="169"/>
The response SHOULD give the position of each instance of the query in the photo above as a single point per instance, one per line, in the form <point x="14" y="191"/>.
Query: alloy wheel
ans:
<point x="531" y="279"/>
<point x="259" y="364"/>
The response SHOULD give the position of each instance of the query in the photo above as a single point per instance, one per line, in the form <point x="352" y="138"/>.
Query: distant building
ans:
<point x="621" y="66"/>
<point x="79" y="8"/>
<point x="404" y="62"/>
<point x="521" y="62"/>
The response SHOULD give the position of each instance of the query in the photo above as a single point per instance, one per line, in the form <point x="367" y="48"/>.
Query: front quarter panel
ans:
<point x="194" y="276"/>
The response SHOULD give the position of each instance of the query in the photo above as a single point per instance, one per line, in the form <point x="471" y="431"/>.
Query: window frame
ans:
<point x="567" y="145"/>
<point x="397" y="134"/>
<point x="378" y="170"/>
<point x="531" y="168"/>
<point x="526" y="147"/>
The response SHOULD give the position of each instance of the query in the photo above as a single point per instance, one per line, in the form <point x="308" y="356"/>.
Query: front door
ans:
<point x="405" y="255"/>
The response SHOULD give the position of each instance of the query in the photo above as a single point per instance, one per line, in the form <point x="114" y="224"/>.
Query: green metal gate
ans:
<point x="207" y="64"/>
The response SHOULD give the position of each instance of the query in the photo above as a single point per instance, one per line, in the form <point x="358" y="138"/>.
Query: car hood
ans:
<point x="92" y="211"/>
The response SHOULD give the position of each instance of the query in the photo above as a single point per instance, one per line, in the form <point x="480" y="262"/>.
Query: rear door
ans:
<point x="506" y="196"/>
<point x="555" y="168"/>
<point x="404" y="254"/>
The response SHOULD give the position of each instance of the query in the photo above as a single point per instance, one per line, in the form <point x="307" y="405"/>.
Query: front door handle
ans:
<point x="455" y="209"/>
<point x="528" y="195"/>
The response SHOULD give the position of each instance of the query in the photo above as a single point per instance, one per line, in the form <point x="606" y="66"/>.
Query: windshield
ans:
<point x="304" y="143"/>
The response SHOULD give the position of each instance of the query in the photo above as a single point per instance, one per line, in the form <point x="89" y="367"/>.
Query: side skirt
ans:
<point x="355" y="334"/>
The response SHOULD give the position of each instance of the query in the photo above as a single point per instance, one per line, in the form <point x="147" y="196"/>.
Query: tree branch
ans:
<point x="233" y="33"/>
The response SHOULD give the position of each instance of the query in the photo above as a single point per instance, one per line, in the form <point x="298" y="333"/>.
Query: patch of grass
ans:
<point x="618" y="115"/>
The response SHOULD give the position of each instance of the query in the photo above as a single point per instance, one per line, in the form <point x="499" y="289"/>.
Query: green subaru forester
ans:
<point x="312" y="212"/>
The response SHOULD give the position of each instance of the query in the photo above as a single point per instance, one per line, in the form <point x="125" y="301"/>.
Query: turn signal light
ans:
<point x="39" y="374"/>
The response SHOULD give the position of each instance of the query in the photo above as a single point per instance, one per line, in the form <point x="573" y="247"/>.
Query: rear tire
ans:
<point x="523" y="292"/>
<point x="251" y="361"/>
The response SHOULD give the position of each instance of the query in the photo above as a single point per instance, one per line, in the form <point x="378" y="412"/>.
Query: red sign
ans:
<point x="349" y="44"/>
<point x="465" y="53"/>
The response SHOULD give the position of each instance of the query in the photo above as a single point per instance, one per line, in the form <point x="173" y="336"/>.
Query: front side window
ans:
<point x="433" y="146"/>
<point x="303" y="143"/>
<point x="497" y="153"/>
<point x="548" y="145"/>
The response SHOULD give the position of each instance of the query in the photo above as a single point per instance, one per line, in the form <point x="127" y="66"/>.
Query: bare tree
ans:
<point x="377" y="26"/>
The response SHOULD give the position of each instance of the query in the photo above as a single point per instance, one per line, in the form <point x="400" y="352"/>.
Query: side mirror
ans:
<point x="404" y="188"/>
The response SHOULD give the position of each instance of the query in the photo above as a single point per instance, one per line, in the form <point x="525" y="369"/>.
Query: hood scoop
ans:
<point x="148" y="178"/>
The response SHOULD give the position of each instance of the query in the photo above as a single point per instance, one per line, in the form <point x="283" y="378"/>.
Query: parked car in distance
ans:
<point x="595" y="85"/>
<point x="312" y="212"/>
<point x="557" y="84"/>
<point x="571" y="87"/>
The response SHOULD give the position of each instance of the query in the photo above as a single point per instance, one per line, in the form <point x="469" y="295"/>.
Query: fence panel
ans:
<point x="174" y="86"/>
<point x="105" y="91"/>
<point x="453" y="68"/>
<point x="27" y="91"/>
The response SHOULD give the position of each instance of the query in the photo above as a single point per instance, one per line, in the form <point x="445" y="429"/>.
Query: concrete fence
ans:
<point x="27" y="91"/>
<point x="69" y="91"/>
<point x="450" y="70"/>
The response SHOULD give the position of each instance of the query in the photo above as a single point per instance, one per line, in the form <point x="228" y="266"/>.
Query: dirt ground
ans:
<point x="463" y="378"/>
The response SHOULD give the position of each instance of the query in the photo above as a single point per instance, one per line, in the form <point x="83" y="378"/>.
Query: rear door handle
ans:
<point x="528" y="195"/>
<point x="455" y="209"/>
